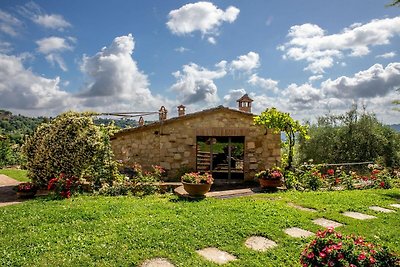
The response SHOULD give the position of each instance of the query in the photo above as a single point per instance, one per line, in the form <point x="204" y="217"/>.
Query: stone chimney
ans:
<point x="162" y="113"/>
<point x="141" y="121"/>
<point x="245" y="103"/>
<point x="181" y="110"/>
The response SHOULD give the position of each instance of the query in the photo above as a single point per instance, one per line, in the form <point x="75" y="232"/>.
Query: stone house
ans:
<point x="220" y="140"/>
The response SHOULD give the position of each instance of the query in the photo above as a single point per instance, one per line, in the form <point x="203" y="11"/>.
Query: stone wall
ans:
<point x="172" y="144"/>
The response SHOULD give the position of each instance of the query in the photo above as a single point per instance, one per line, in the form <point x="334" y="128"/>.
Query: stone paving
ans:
<point x="298" y="232"/>
<point x="395" y="205"/>
<point x="215" y="255"/>
<point x="301" y="208"/>
<point x="380" y="209"/>
<point x="259" y="243"/>
<point x="157" y="262"/>
<point x="7" y="194"/>
<point x="358" y="215"/>
<point x="327" y="223"/>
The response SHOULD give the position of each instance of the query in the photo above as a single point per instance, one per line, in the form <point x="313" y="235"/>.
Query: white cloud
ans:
<point x="181" y="49"/>
<point x="34" y="12"/>
<point x="373" y="82"/>
<point x="201" y="16"/>
<point x="21" y="89"/>
<point x="387" y="55"/>
<point x="302" y="96"/>
<point x="314" y="78"/>
<point x="114" y="80"/>
<point x="311" y="43"/>
<point x="266" y="84"/>
<point x="211" y="40"/>
<point x="57" y="59"/>
<point x="232" y="96"/>
<point x="5" y="47"/>
<point x="52" y="47"/>
<point x="52" y="21"/>
<point x="246" y="63"/>
<point x="9" y="24"/>
<point x="196" y="84"/>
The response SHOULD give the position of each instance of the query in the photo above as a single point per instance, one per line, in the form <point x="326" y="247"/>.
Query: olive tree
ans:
<point x="71" y="144"/>
<point x="279" y="121"/>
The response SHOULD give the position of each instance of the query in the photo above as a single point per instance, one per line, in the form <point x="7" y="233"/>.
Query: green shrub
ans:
<point x="71" y="144"/>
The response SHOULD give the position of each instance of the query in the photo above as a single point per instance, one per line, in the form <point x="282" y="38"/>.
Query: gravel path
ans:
<point x="7" y="194"/>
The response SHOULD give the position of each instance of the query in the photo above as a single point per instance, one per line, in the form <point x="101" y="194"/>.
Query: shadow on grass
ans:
<point x="395" y="196"/>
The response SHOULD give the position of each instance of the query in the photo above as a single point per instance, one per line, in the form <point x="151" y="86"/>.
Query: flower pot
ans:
<point x="28" y="194"/>
<point x="196" y="190"/>
<point x="268" y="183"/>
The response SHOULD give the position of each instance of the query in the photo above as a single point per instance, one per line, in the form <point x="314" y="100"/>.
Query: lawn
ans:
<point x="19" y="175"/>
<point x="125" y="231"/>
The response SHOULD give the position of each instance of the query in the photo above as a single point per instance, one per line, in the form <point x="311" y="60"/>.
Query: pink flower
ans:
<point x="361" y="256"/>
<point x="310" y="255"/>
<point x="322" y="254"/>
<point x="372" y="260"/>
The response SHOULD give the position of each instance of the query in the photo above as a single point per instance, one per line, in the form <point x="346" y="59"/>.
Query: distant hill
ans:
<point x="396" y="127"/>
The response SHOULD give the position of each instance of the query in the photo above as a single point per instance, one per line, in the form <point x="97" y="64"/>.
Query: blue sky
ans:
<point x="303" y="57"/>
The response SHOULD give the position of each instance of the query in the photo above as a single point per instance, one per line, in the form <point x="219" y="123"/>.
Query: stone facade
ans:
<point x="172" y="143"/>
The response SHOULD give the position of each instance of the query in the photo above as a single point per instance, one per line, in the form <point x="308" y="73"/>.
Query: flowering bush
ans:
<point x="64" y="186"/>
<point x="331" y="248"/>
<point x="27" y="187"/>
<point x="274" y="173"/>
<point x="197" y="178"/>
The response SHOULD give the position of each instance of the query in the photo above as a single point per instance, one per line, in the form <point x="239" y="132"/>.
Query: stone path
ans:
<point x="259" y="243"/>
<point x="7" y="194"/>
<point x="301" y="208"/>
<point x="380" y="209"/>
<point x="157" y="262"/>
<point x="358" y="215"/>
<point x="298" y="232"/>
<point x="327" y="223"/>
<point x="395" y="205"/>
<point x="215" y="255"/>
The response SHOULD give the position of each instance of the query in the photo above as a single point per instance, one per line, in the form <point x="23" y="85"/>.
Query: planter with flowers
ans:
<point x="26" y="190"/>
<point x="331" y="248"/>
<point x="197" y="184"/>
<point x="270" y="178"/>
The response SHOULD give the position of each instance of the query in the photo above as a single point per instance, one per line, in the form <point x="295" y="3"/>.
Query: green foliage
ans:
<point x="71" y="144"/>
<point x="282" y="122"/>
<point x="352" y="137"/>
<point x="394" y="3"/>
<point x="16" y="174"/>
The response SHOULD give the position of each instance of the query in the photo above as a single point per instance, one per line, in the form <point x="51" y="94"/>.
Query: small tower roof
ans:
<point x="245" y="98"/>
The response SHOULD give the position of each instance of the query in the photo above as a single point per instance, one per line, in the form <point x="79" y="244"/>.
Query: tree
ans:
<point x="395" y="3"/>
<point x="71" y="144"/>
<point x="282" y="122"/>
<point x="351" y="137"/>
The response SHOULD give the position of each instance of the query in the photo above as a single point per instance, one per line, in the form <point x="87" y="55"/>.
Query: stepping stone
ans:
<point x="395" y="205"/>
<point x="259" y="243"/>
<point x="358" y="215"/>
<point x="215" y="255"/>
<point x="379" y="209"/>
<point x="157" y="262"/>
<point x="326" y="223"/>
<point x="298" y="232"/>
<point x="301" y="208"/>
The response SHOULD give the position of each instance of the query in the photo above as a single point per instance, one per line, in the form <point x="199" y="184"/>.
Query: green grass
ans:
<point x="19" y="175"/>
<point x="125" y="231"/>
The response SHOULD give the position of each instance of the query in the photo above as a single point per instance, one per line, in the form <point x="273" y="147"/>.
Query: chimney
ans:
<point x="141" y="121"/>
<point x="245" y="103"/>
<point x="162" y="113"/>
<point x="181" y="110"/>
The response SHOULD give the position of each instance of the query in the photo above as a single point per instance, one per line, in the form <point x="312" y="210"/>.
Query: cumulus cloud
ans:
<point x="266" y="84"/>
<point x="52" y="21"/>
<point x="9" y="24"/>
<point x="373" y="82"/>
<point x="387" y="55"/>
<point x="302" y="96"/>
<point x="34" y="12"/>
<point x="232" y="96"/>
<point x="246" y="63"/>
<point x="21" y="89"/>
<point x="181" y="49"/>
<point x="52" y="47"/>
<point x="311" y="43"/>
<point x="314" y="78"/>
<point x="204" y="17"/>
<point x="5" y="47"/>
<point x="196" y="84"/>
<point x="114" y="79"/>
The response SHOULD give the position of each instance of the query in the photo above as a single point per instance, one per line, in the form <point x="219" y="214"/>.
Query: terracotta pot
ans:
<point x="267" y="183"/>
<point x="196" y="190"/>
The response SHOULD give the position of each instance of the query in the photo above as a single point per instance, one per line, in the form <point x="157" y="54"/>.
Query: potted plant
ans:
<point x="26" y="190"/>
<point x="197" y="184"/>
<point x="270" y="178"/>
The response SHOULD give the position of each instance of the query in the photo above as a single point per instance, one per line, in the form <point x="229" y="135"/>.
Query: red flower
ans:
<point x="340" y="256"/>
<point x="372" y="260"/>
<point x="322" y="254"/>
<point x="310" y="255"/>
<point x="331" y="172"/>
<point x="382" y="184"/>
<point x="337" y="180"/>
<point x="361" y="256"/>
<point x="375" y="171"/>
